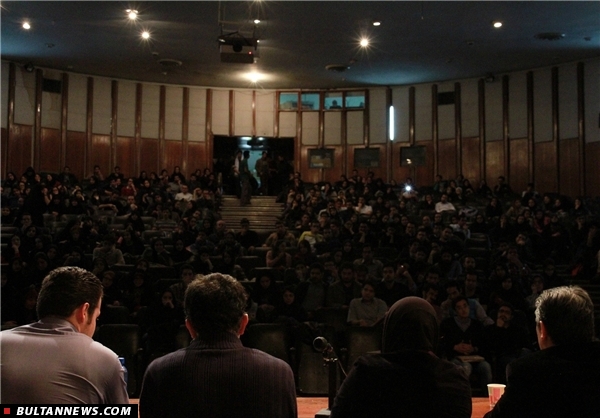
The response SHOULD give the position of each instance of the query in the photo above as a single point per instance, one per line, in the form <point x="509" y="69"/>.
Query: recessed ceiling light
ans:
<point x="364" y="42"/>
<point x="497" y="24"/>
<point x="376" y="23"/>
<point x="257" y="21"/>
<point x="132" y="14"/>
<point x="254" y="77"/>
<point x="26" y="25"/>
<point x="146" y="34"/>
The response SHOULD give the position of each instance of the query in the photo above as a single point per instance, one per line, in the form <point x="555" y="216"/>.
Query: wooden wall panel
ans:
<point x="400" y="173"/>
<point x="311" y="175"/>
<point x="447" y="158"/>
<point x="333" y="174"/>
<point x="471" y="160"/>
<point x="592" y="169"/>
<point x="74" y="152"/>
<point x="424" y="175"/>
<point x="172" y="156"/>
<point x="100" y="154"/>
<point x="126" y="155"/>
<point x="569" y="171"/>
<point x="545" y="167"/>
<point x="380" y="172"/>
<point x="494" y="164"/>
<point x="149" y="155"/>
<point x="519" y="164"/>
<point x="19" y="152"/>
<point x="197" y="158"/>
<point x="3" y="150"/>
<point x="50" y="150"/>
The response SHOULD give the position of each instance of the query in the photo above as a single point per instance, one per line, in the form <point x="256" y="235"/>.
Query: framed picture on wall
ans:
<point x="414" y="156"/>
<point x="320" y="158"/>
<point x="366" y="158"/>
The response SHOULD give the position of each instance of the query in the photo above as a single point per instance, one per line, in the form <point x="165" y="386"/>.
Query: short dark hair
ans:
<point x="67" y="288"/>
<point x="215" y="304"/>
<point x="568" y="314"/>
<point x="458" y="299"/>
<point x="318" y="266"/>
<point x="347" y="266"/>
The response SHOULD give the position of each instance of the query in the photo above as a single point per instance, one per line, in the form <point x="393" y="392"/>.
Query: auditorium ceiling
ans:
<point x="302" y="44"/>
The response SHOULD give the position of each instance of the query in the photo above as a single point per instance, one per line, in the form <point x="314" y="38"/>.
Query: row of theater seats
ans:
<point x="275" y="339"/>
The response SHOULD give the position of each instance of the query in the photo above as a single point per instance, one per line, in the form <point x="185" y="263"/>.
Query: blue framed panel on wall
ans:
<point x="320" y="158"/>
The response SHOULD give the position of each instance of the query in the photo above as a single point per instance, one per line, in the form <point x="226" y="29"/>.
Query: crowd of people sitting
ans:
<point x="479" y="255"/>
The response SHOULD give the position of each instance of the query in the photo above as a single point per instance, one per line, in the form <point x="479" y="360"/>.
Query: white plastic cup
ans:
<point x="495" y="392"/>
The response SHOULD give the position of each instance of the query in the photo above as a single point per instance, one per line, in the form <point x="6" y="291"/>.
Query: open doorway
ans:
<point x="226" y="147"/>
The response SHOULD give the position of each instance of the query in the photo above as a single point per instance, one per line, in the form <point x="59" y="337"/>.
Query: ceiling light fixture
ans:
<point x="497" y="24"/>
<point x="254" y="77"/>
<point x="376" y="23"/>
<point x="26" y="25"/>
<point x="132" y="14"/>
<point x="146" y="34"/>
<point x="364" y="42"/>
<point x="256" y="21"/>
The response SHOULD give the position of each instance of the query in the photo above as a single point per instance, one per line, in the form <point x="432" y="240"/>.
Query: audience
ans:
<point x="494" y="247"/>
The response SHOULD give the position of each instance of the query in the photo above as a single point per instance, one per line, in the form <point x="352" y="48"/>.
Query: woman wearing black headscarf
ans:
<point x="407" y="379"/>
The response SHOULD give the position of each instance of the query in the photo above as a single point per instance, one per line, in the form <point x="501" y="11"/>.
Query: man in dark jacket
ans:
<point x="563" y="379"/>
<point x="216" y="376"/>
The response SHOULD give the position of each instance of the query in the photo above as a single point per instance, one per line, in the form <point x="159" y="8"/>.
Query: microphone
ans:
<point x="321" y="344"/>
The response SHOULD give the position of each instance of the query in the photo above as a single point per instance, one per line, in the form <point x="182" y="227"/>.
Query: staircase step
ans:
<point x="262" y="213"/>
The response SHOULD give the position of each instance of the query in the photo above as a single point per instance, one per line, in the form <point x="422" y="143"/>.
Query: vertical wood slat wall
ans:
<point x="566" y="164"/>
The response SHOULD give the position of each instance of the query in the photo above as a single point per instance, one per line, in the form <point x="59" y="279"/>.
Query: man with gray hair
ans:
<point x="563" y="378"/>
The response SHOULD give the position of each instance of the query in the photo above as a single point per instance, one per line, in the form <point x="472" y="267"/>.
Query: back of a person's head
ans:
<point x="215" y="304"/>
<point x="568" y="314"/>
<point x="67" y="288"/>
<point x="410" y="324"/>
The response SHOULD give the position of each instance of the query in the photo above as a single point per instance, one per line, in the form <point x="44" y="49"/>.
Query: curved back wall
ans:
<point x="540" y="125"/>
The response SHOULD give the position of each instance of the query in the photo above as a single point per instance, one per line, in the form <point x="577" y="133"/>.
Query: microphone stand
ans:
<point x="330" y="359"/>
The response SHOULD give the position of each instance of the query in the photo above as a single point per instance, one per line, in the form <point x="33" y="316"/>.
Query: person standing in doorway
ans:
<point x="245" y="174"/>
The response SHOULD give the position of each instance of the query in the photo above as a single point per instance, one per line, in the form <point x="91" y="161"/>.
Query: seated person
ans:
<point x="463" y="336"/>
<point x="562" y="379"/>
<point x="407" y="375"/>
<point x="367" y="310"/>
<point x="343" y="291"/>
<point x="507" y="339"/>
<point x="476" y="311"/>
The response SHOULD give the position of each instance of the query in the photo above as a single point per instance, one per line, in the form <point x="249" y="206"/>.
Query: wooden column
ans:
<point x="185" y="123"/>
<point x="88" y="126"/>
<point x="434" y="128"/>
<point x="161" y="127"/>
<point x="138" y="128"/>
<point x="209" y="136"/>
<point x="581" y="127"/>
<point x="64" y="112"/>
<point x="530" y="142"/>
<point x="10" y="125"/>
<point x="114" y="96"/>
<point x="37" y="120"/>
<point x="457" y="127"/>
<point x="555" y="131"/>
<point x="482" y="153"/>
<point x="505" y="138"/>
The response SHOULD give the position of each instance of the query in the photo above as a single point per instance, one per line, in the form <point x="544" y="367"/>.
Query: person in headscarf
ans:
<point x="407" y="379"/>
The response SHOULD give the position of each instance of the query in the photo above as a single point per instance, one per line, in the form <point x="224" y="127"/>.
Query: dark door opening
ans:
<point x="226" y="147"/>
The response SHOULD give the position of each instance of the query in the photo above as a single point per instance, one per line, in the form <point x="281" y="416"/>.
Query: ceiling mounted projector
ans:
<point x="238" y="49"/>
